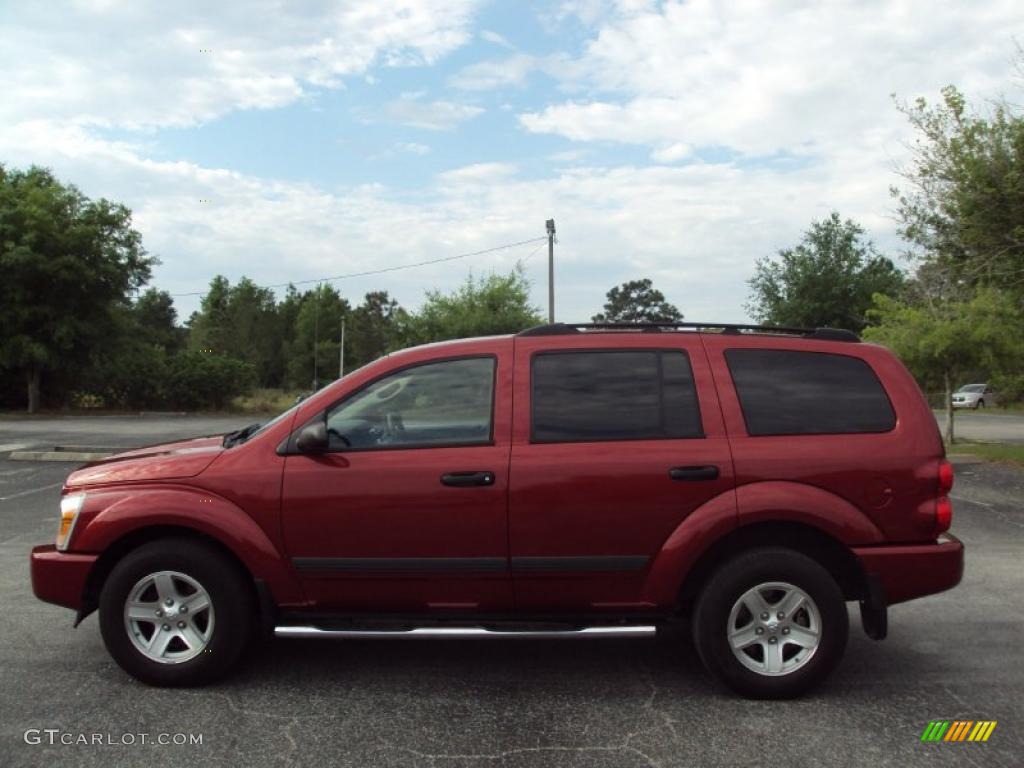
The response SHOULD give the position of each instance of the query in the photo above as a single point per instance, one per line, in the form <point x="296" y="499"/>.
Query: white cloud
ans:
<point x="672" y="153"/>
<point x="497" y="39"/>
<point x="410" y="109"/>
<point x="412" y="148"/>
<point x="800" y="97"/>
<point x="694" y="229"/>
<point x="761" y="77"/>
<point x="476" y="174"/>
<point x="498" y="73"/>
<point x="140" y="65"/>
<point x="569" y="155"/>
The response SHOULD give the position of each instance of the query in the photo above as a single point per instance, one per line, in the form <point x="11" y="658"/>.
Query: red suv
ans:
<point x="571" y="480"/>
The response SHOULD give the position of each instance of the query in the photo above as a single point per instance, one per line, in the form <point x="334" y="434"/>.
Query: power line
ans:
<point x="389" y="269"/>
<point x="534" y="251"/>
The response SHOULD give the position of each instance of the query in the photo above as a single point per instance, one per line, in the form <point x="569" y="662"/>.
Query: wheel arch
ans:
<point x="132" y="540"/>
<point x="121" y="516"/>
<point x="801" y="537"/>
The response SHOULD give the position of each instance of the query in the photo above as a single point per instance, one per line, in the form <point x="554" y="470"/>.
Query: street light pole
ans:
<point x="316" y="335"/>
<point x="551" y="269"/>
<point x="341" y="351"/>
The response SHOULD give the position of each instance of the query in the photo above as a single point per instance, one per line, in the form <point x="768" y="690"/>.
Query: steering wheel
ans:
<point x="391" y="391"/>
<point x="394" y="426"/>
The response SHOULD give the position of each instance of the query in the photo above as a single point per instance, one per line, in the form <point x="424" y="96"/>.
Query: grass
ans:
<point x="263" y="401"/>
<point x="1003" y="453"/>
<point x="1011" y="407"/>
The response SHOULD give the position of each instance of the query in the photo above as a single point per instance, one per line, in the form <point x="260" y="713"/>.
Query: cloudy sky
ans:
<point x="673" y="140"/>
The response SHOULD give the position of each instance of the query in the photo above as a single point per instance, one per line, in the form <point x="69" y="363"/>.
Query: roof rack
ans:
<point x="558" y="329"/>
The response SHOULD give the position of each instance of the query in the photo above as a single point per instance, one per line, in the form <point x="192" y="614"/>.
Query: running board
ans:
<point x="464" y="632"/>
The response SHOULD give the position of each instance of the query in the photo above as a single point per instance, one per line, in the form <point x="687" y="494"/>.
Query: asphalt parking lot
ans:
<point x="506" y="703"/>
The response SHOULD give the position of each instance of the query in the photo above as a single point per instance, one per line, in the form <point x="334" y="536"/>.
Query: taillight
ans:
<point x="943" y="506"/>
<point x="945" y="477"/>
<point x="943" y="514"/>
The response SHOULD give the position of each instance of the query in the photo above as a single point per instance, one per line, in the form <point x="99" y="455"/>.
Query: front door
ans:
<point x="408" y="510"/>
<point x="617" y="438"/>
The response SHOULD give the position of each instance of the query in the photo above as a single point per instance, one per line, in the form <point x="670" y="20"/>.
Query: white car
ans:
<point x="973" y="396"/>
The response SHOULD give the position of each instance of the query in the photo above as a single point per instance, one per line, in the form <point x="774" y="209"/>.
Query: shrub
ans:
<point x="1009" y="388"/>
<point x="131" y="376"/>
<point x="203" y="380"/>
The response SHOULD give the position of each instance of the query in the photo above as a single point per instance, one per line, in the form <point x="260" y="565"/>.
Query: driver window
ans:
<point x="434" y="404"/>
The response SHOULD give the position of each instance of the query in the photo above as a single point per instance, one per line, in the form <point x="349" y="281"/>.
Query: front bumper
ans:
<point x="60" y="577"/>
<point x="914" y="570"/>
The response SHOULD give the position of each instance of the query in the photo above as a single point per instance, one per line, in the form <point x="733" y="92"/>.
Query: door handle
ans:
<point x="466" y="479"/>
<point x="709" y="472"/>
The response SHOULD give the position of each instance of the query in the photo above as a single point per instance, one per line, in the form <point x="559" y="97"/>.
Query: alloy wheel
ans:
<point x="774" y="628"/>
<point x="169" y="617"/>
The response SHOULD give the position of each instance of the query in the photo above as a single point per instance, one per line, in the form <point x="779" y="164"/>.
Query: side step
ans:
<point x="460" y="633"/>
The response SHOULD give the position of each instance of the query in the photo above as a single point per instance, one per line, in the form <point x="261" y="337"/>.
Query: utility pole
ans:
<point x="551" y="269"/>
<point x="341" y="351"/>
<point x="316" y="335"/>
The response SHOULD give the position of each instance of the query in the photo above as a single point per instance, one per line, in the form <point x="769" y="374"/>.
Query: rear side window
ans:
<point x="613" y="395"/>
<point x="783" y="392"/>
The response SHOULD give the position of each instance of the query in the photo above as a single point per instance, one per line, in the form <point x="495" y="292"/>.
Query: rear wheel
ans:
<point x="771" y="623"/>
<point x="177" y="612"/>
<point x="981" y="404"/>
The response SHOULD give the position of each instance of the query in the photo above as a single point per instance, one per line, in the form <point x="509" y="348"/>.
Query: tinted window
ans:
<point x="806" y="393"/>
<point x="443" y="403"/>
<point x="585" y="396"/>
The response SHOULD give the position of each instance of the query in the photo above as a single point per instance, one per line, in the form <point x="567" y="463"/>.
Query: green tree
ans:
<point x="314" y="341"/>
<point x="209" y="327"/>
<point x="495" y="304"/>
<point x="945" y="339"/>
<point x="828" y="279"/>
<point x="254" y="330"/>
<point x="372" y="329"/>
<point x="961" y="205"/>
<point x="155" y="320"/>
<point x="637" y="302"/>
<point x="241" y="321"/>
<point x="68" y="263"/>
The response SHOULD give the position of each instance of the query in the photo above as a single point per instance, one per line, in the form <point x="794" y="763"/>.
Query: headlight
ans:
<point x="69" y="509"/>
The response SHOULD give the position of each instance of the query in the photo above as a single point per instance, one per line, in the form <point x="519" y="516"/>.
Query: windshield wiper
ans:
<point x="239" y="435"/>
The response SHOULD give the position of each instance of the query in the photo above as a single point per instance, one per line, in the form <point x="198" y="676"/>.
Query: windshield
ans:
<point x="285" y="414"/>
<point x="277" y="419"/>
<point x="975" y="388"/>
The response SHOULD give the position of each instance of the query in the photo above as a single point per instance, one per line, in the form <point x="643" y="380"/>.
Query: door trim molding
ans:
<point x="567" y="564"/>
<point x="585" y="563"/>
<point x="402" y="564"/>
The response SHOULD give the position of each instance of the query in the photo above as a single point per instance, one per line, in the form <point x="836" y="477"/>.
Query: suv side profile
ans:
<point x="570" y="480"/>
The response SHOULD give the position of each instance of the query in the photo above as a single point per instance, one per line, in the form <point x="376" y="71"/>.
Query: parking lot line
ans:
<point x="30" y="491"/>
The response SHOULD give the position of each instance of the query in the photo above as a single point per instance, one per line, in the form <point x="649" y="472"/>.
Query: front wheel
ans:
<point x="176" y="612"/>
<point x="771" y="624"/>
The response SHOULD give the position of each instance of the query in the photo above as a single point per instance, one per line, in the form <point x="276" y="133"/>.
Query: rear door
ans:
<point x="616" y="439"/>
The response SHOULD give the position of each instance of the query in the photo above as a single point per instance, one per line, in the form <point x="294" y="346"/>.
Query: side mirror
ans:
<point x="313" y="438"/>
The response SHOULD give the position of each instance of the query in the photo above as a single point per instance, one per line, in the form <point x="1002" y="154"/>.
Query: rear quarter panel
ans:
<point x="860" y="488"/>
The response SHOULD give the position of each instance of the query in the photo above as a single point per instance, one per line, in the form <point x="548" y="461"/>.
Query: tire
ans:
<point x="979" y="404"/>
<point x="193" y="647"/>
<point x="788" y="656"/>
